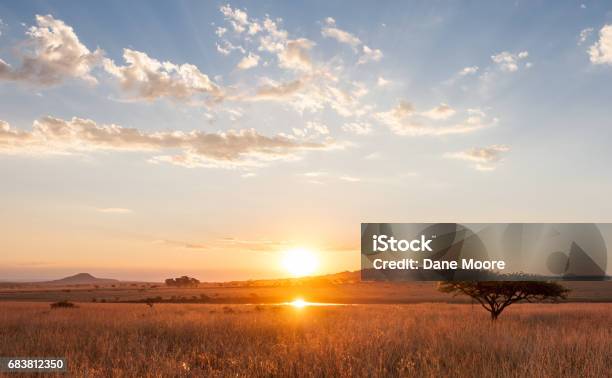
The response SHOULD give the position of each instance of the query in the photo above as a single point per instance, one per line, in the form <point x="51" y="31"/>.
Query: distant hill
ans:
<point x="81" y="279"/>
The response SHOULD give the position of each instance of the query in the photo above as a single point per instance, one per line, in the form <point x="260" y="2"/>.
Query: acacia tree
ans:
<point x="495" y="296"/>
<point x="184" y="281"/>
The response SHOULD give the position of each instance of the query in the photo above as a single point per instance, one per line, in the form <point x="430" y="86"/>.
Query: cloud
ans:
<point x="584" y="35"/>
<point x="308" y="85"/>
<point x="382" y="82"/>
<point x="249" y="61"/>
<point x="273" y="90"/>
<point x="317" y="127"/>
<point x="146" y="78"/>
<point x="220" y="31"/>
<point x="315" y="174"/>
<point x="370" y="55"/>
<point x="349" y="178"/>
<point x="295" y="55"/>
<point x="601" y="51"/>
<point x="114" y="210"/>
<point x="312" y="129"/>
<point x="359" y="128"/>
<point x="226" y="47"/>
<point x="509" y="62"/>
<point x="230" y="149"/>
<point x="315" y="92"/>
<point x="404" y="120"/>
<point x="331" y="31"/>
<point x="239" y="20"/>
<point x="373" y="156"/>
<point x="51" y="54"/>
<point x="440" y="112"/>
<point x="180" y="244"/>
<point x="468" y="71"/>
<point x="486" y="158"/>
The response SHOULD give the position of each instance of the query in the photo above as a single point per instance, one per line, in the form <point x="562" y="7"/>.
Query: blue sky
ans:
<point x="350" y="112"/>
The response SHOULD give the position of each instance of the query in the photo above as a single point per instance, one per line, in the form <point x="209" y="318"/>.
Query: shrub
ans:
<point x="63" y="304"/>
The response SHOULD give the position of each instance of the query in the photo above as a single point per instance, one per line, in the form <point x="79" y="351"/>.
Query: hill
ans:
<point x="81" y="279"/>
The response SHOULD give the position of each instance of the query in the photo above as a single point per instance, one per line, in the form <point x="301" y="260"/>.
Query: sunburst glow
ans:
<point x="300" y="262"/>
<point x="299" y="303"/>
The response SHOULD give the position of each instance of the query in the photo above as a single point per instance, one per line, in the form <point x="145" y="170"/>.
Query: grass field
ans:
<point x="364" y="340"/>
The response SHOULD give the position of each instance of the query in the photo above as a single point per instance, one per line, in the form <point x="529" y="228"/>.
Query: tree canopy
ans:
<point x="495" y="296"/>
<point x="184" y="281"/>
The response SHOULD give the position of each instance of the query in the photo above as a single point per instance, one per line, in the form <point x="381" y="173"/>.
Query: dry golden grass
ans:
<point x="369" y="340"/>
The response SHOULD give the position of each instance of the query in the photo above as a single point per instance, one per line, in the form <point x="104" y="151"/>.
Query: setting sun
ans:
<point x="300" y="262"/>
<point x="299" y="303"/>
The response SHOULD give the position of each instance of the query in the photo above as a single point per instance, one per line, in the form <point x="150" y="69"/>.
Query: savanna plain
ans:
<point x="218" y="340"/>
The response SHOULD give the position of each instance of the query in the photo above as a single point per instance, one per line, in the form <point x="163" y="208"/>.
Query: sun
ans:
<point x="300" y="262"/>
<point x="299" y="303"/>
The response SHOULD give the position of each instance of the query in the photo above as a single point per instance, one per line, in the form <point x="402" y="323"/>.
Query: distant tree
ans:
<point x="63" y="304"/>
<point x="495" y="296"/>
<point x="183" y="281"/>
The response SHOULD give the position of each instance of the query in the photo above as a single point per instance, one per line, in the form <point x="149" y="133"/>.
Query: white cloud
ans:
<point x="584" y="35"/>
<point x="359" y="128"/>
<point x="468" y="71"/>
<point x="373" y="156"/>
<point x="369" y="54"/>
<point x="220" y="31"/>
<point x="349" y="178"/>
<point x="277" y="91"/>
<point x="317" y="127"/>
<point x="147" y="78"/>
<point x="439" y="112"/>
<point x="330" y="30"/>
<point x="311" y="130"/>
<point x="485" y="158"/>
<point x="342" y="36"/>
<point x="249" y="61"/>
<point x="509" y="62"/>
<point x="295" y="55"/>
<point x="601" y="51"/>
<point x="274" y="39"/>
<point x="225" y="47"/>
<point x="308" y="85"/>
<point x="114" y="210"/>
<point x="233" y="148"/>
<point x="382" y="82"/>
<point x="405" y="121"/>
<point x="51" y="54"/>
<point x="237" y="18"/>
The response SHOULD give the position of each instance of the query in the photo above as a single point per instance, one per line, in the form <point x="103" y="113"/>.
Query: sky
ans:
<point x="142" y="140"/>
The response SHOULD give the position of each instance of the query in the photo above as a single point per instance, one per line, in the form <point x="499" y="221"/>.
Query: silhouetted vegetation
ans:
<point x="495" y="296"/>
<point x="183" y="281"/>
<point x="63" y="304"/>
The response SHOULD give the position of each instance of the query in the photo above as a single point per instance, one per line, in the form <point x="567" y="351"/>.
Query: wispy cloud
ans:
<point x="330" y="30"/>
<point x="404" y="120"/>
<point x="114" y="210"/>
<point x="232" y="148"/>
<point x="485" y="158"/>
<point x="584" y="35"/>
<point x="510" y="62"/>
